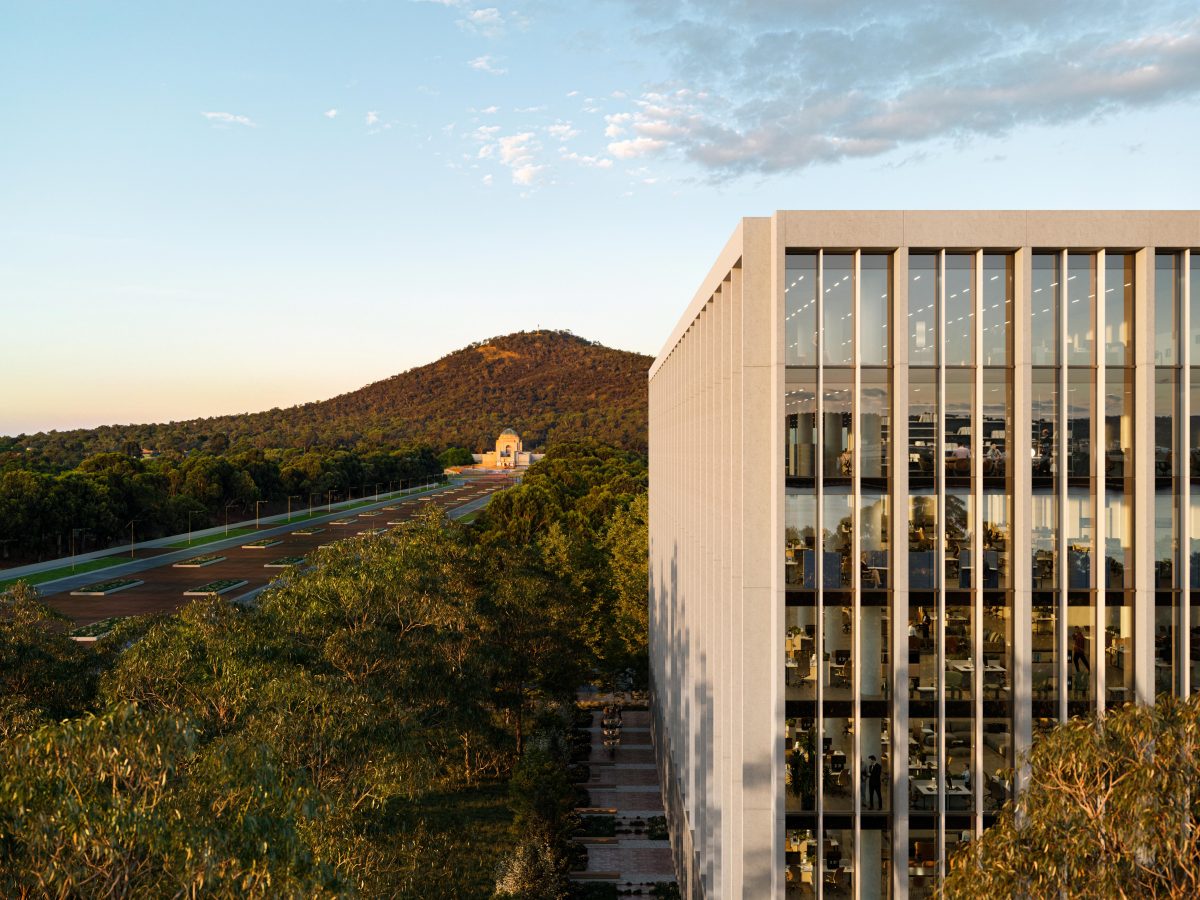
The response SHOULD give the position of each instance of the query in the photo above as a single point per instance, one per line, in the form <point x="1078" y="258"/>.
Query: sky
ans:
<point x="211" y="208"/>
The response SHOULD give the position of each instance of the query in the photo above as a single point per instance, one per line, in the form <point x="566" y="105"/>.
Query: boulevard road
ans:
<point x="163" y="590"/>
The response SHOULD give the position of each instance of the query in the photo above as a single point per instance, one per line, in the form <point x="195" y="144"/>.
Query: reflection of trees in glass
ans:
<point x="956" y="516"/>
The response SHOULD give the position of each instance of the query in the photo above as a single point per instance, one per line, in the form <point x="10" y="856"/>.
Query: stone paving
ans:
<point x="626" y="780"/>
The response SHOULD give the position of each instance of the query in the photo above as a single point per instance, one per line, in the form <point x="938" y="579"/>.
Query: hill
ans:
<point x="548" y="385"/>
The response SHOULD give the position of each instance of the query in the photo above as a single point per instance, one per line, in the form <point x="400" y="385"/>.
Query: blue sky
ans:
<point x="222" y="207"/>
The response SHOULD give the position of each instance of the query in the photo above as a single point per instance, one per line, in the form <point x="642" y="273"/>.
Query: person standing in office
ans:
<point x="874" y="782"/>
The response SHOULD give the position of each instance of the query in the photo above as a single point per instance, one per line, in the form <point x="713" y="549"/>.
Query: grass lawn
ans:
<point x="90" y="565"/>
<point x="208" y="539"/>
<point x="453" y="839"/>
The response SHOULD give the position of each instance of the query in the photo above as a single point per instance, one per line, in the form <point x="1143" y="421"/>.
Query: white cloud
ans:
<point x="572" y="93"/>
<point x="487" y="64"/>
<point x="616" y="124"/>
<point x="488" y="22"/>
<point x="372" y="117"/>
<point x="591" y="162"/>
<point x="526" y="174"/>
<point x="564" y="131"/>
<point x="224" y="118"/>
<point x="490" y="110"/>
<point x="487" y="179"/>
<point x="331" y="113"/>
<point x="636" y="147"/>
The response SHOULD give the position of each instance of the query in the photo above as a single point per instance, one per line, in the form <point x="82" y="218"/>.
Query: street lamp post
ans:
<point x="378" y="485"/>
<point x="190" y="511"/>
<point x="257" y="504"/>
<point x="131" y="521"/>
<point x="73" y="530"/>
<point x="227" y="505"/>
<point x="329" y="501"/>
<point x="290" y="497"/>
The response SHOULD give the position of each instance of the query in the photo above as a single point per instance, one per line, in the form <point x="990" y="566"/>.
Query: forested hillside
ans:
<point x="550" y="386"/>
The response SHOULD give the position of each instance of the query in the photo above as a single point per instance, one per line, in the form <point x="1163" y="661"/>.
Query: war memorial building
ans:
<point x="922" y="484"/>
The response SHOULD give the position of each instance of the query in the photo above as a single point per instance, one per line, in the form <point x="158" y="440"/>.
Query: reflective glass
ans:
<point x="1081" y="301"/>
<point x="922" y="425"/>
<point x="837" y="309"/>
<point x="1118" y="648"/>
<point x="874" y="416"/>
<point x="1080" y="394"/>
<point x="837" y="404"/>
<point x="799" y="653"/>
<point x="800" y="315"/>
<point x="875" y="565"/>
<point x="996" y="418"/>
<point x="1118" y="308"/>
<point x="959" y="406"/>
<point x="1166" y="308"/>
<point x="959" y="326"/>
<point x="1118" y="424"/>
<point x="997" y="545"/>
<point x="922" y="309"/>
<point x="958" y="558"/>
<point x="800" y="529"/>
<point x="922" y="541"/>
<point x="996" y="308"/>
<point x="838" y="527"/>
<point x="838" y="762"/>
<point x="800" y="423"/>
<point x="803" y="762"/>
<point x="874" y="306"/>
<point x="1194" y="300"/>
<point x="1043" y="309"/>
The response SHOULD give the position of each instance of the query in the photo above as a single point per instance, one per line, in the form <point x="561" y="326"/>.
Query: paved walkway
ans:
<point x="627" y="783"/>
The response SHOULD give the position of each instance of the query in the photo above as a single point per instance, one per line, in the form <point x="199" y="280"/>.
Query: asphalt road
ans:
<point x="165" y="584"/>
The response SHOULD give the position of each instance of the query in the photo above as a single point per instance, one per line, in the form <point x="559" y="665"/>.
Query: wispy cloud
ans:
<point x="591" y="162"/>
<point x="517" y="152"/>
<point x="331" y="113"/>
<point x="487" y="64"/>
<point x="767" y="93"/>
<point x="488" y="22"/>
<point x="225" y="118"/>
<point x="563" y="131"/>
<point x="372" y="117"/>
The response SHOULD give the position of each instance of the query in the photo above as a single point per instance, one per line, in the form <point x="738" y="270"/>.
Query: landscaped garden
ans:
<point x="371" y="532"/>
<point x="220" y="586"/>
<point x="97" y="629"/>
<point x="262" y="544"/>
<point x="343" y="521"/>
<point x="311" y="529"/>
<point x="104" y="588"/>
<point x="198" y="562"/>
<point x="284" y="562"/>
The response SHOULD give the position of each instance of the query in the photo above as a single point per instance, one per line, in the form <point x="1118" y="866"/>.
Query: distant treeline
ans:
<point x="44" y="513"/>
<point x="551" y="386"/>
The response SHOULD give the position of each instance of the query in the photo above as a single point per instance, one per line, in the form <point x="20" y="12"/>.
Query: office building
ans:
<point x="922" y="484"/>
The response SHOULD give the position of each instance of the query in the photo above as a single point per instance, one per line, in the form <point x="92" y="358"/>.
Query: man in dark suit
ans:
<point x="874" y="783"/>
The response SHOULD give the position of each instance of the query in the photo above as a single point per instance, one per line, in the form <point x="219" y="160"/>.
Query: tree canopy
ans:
<point x="1112" y="809"/>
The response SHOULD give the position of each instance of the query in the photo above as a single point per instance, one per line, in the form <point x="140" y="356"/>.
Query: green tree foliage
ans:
<point x="350" y="733"/>
<point x="456" y="456"/>
<point x="44" y="675"/>
<point x="130" y="804"/>
<point x="45" y="513"/>
<point x="1112" y="810"/>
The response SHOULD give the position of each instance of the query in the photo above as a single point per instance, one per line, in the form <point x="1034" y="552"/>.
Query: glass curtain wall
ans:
<point x="996" y="415"/>
<point x="1193" y="468"/>
<point x="1045" y="471"/>
<point x="1168" y="641"/>
<point x="1116" y="571"/>
<point x="837" y="557"/>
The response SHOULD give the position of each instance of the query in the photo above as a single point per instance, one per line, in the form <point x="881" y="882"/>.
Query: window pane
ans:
<point x="837" y="416"/>
<point x="800" y="664"/>
<point x="1195" y="305"/>
<point x="875" y="566"/>
<point x="800" y="317"/>
<point x="1043" y="309"/>
<point x="800" y="423"/>
<point x="1081" y="298"/>
<point x="960" y="403"/>
<point x="996" y="415"/>
<point x="997" y="308"/>
<point x="959" y="563"/>
<point x="922" y="541"/>
<point x="922" y="309"/>
<point x="800" y="529"/>
<point x="1080" y="390"/>
<point x="1118" y="308"/>
<point x="922" y="425"/>
<point x="838" y="309"/>
<point x="838" y="527"/>
<point x="960" y="309"/>
<point x="874" y="305"/>
<point x="1166" y="307"/>
<point x="874" y="416"/>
